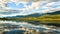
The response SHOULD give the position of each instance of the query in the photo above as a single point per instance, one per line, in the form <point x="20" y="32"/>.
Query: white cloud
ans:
<point x="37" y="7"/>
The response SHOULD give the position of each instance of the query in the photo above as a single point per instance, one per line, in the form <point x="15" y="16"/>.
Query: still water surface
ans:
<point x="40" y="27"/>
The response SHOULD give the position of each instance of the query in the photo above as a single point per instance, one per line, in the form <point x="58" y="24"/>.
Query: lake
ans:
<point x="18" y="27"/>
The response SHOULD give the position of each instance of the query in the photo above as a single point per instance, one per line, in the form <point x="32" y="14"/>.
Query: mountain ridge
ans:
<point x="34" y="15"/>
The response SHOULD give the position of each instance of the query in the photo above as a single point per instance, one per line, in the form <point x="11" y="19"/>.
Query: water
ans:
<point x="16" y="32"/>
<point x="14" y="26"/>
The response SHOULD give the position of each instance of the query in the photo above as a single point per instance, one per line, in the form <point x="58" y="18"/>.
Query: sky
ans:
<point x="25" y="8"/>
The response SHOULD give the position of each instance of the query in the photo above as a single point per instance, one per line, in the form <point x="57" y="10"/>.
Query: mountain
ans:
<point x="31" y="15"/>
<point x="48" y="18"/>
<point x="54" y="13"/>
<point x="34" y="15"/>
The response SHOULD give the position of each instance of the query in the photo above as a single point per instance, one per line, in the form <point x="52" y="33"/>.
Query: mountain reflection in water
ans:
<point x="14" y="26"/>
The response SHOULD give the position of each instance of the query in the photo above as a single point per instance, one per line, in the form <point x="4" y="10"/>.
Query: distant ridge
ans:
<point x="21" y="16"/>
<point x="57" y="12"/>
<point x="34" y="15"/>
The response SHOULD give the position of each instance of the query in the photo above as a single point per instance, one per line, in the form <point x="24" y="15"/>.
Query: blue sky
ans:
<point x="19" y="6"/>
<point x="44" y="8"/>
